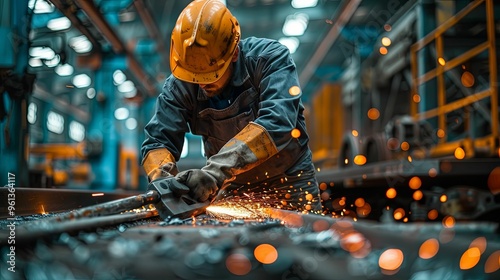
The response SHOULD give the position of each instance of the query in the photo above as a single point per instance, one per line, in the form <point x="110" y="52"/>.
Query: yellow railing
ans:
<point x="489" y="142"/>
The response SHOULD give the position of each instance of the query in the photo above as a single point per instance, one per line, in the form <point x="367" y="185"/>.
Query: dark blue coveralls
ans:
<point x="259" y="92"/>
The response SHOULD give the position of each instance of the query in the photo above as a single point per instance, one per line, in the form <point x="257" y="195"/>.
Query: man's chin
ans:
<point x="211" y="93"/>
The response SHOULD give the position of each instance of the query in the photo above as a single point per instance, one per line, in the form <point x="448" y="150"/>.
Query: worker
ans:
<point x="243" y="97"/>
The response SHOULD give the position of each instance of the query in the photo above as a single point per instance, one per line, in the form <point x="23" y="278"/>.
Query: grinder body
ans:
<point x="172" y="205"/>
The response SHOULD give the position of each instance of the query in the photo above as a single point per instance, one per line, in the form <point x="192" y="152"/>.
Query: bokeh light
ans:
<point x="428" y="249"/>
<point x="415" y="183"/>
<point x="294" y="91"/>
<point x="492" y="263"/>
<point x="449" y="222"/>
<point x="373" y="114"/>
<point x="295" y="133"/>
<point x="494" y="181"/>
<point x="459" y="153"/>
<point x="359" y="160"/>
<point x="418" y="195"/>
<point x="266" y="253"/>
<point x="391" y="193"/>
<point x="479" y="243"/>
<point x="470" y="258"/>
<point x="238" y="264"/>
<point x="433" y="214"/>
<point x="391" y="259"/>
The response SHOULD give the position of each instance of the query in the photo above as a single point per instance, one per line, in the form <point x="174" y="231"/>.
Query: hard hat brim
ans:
<point x="198" y="78"/>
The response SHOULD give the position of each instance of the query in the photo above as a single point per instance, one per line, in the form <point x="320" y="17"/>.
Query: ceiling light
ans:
<point x="64" y="70"/>
<point x="91" y="93"/>
<point x="299" y="4"/>
<point x="35" y="62"/>
<point x="121" y="113"/>
<point x="76" y="131"/>
<point x="131" y="123"/>
<point x="54" y="61"/>
<point x="80" y="44"/>
<point x="40" y="7"/>
<point x="119" y="77"/>
<point x="32" y="109"/>
<point x="45" y="53"/>
<point x="126" y="86"/>
<point x="55" y="122"/>
<point x="128" y="89"/>
<point x="57" y="24"/>
<point x="291" y="43"/>
<point x="295" y="25"/>
<point x="82" y="80"/>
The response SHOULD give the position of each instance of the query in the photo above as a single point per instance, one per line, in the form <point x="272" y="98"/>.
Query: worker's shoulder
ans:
<point x="261" y="47"/>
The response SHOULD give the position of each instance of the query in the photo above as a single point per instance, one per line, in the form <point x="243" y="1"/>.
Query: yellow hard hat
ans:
<point x="204" y="39"/>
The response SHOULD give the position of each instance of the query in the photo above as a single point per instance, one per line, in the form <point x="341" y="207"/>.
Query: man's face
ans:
<point x="216" y="88"/>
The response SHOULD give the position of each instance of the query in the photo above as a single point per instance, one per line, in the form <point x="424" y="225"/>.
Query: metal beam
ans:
<point x="68" y="11"/>
<point x="118" y="46"/>
<point x="348" y="7"/>
<point x="152" y="29"/>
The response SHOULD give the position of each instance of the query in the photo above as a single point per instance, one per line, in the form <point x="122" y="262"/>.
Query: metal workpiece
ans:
<point x="287" y="245"/>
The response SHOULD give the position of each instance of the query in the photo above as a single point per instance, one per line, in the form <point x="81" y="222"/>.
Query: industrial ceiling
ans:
<point x="140" y="31"/>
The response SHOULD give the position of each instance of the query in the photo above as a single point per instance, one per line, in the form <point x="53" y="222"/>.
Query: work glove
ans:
<point x="247" y="149"/>
<point x="163" y="171"/>
<point x="201" y="184"/>
<point x="158" y="164"/>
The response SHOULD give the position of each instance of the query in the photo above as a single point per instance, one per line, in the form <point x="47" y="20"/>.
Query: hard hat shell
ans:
<point x="203" y="42"/>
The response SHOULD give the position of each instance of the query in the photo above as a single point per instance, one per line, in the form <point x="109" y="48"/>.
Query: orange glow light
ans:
<point x="352" y="242"/>
<point x="449" y="222"/>
<point x="359" y="202"/>
<point x="295" y="133"/>
<point x="428" y="249"/>
<point x="467" y="79"/>
<point x="391" y="259"/>
<point x="391" y="193"/>
<point x="364" y="210"/>
<point x="470" y="258"/>
<point x="373" y="114"/>
<point x="441" y="61"/>
<point x="294" y="91"/>
<point x="354" y="133"/>
<point x="266" y="253"/>
<point x="383" y="50"/>
<point x="405" y="146"/>
<point x="432" y="172"/>
<point x="433" y="214"/>
<point x="416" y="98"/>
<point x="459" y="153"/>
<point x="440" y="133"/>
<point x="492" y="263"/>
<point x="323" y="186"/>
<point x="443" y="198"/>
<point x="359" y="160"/>
<point x="494" y="181"/>
<point x="479" y="243"/>
<point x="399" y="214"/>
<point x="418" y="195"/>
<point x="238" y="264"/>
<point x="415" y="183"/>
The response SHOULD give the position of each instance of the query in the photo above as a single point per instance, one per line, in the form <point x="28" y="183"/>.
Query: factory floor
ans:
<point x="286" y="245"/>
